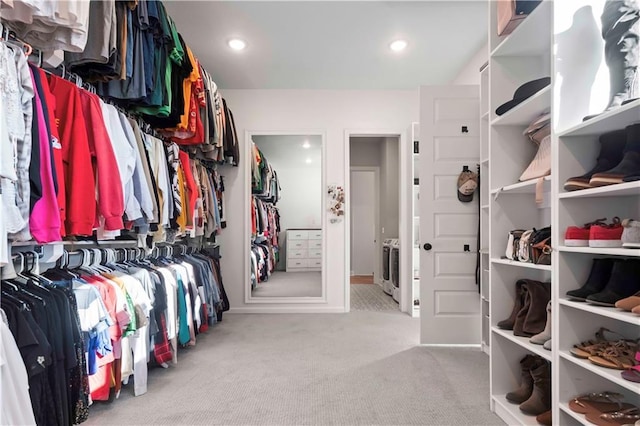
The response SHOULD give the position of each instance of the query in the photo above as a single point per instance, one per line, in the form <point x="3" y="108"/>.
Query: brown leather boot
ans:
<point x="523" y="393"/>
<point x="508" y="323"/>
<point x="545" y="419"/>
<point x="540" y="399"/>
<point x="522" y="313"/>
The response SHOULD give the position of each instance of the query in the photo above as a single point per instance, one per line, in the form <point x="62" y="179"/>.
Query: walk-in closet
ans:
<point x="320" y="212"/>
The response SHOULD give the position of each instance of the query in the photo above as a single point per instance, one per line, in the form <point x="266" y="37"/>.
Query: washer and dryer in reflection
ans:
<point x="391" y="267"/>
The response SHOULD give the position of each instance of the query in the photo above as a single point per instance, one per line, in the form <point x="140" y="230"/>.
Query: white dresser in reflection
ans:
<point x="304" y="250"/>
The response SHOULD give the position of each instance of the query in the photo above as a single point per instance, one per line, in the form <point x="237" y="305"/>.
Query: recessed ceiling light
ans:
<point x="306" y="145"/>
<point x="237" y="44"/>
<point x="398" y="45"/>
<point x="308" y="160"/>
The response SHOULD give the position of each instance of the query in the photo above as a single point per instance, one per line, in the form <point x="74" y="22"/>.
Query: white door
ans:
<point x="449" y="140"/>
<point x="363" y="222"/>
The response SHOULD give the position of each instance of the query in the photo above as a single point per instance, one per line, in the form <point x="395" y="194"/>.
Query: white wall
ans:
<point x="332" y="112"/>
<point x="470" y="73"/>
<point x="363" y="222"/>
<point x="366" y="152"/>
<point x="390" y="193"/>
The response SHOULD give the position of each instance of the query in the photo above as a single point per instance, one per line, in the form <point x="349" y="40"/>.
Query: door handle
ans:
<point x="427" y="246"/>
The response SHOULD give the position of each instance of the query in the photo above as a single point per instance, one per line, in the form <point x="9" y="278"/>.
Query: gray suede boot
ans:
<point x="541" y="338"/>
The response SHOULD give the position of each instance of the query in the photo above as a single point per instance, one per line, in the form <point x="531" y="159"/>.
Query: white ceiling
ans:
<point x="332" y="44"/>
<point x="289" y="148"/>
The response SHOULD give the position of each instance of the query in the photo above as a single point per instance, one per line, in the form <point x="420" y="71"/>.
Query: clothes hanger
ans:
<point x="22" y="305"/>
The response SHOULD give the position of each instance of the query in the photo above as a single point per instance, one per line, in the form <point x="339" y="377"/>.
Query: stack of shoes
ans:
<point x="610" y="281"/>
<point x="605" y="408"/>
<point x="534" y="393"/>
<point x="529" y="314"/>
<point x="597" y="234"/>
<point x="618" y="354"/>
<point x="618" y="161"/>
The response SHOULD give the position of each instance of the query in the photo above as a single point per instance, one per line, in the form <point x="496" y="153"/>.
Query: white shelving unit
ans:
<point x="415" y="287"/>
<point x="534" y="50"/>
<point x="522" y="56"/>
<point x="484" y="209"/>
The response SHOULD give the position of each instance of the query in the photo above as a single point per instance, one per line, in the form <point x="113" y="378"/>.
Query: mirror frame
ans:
<point x="248" y="298"/>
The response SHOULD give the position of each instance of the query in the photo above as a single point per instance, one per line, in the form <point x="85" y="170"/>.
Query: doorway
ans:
<point x="374" y="220"/>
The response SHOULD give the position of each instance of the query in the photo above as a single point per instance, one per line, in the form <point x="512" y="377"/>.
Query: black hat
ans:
<point x="523" y="93"/>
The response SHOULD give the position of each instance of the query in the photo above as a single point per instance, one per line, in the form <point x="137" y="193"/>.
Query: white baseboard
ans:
<point x="289" y="310"/>
<point x="434" y="345"/>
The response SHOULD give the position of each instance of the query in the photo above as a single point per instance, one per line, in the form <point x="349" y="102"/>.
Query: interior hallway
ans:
<point x="360" y="368"/>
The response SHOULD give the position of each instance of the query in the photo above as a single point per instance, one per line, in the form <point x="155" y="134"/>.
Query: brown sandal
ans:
<point x="599" y="403"/>
<point x="615" y="418"/>
<point x="593" y="347"/>
<point x="620" y="356"/>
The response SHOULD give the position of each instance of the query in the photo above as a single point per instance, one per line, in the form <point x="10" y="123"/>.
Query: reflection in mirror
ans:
<point x="286" y="216"/>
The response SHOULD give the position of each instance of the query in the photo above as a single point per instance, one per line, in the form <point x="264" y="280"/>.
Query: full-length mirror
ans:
<point x="286" y="216"/>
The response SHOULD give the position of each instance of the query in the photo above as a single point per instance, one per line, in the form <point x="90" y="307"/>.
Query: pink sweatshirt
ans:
<point x="44" y="222"/>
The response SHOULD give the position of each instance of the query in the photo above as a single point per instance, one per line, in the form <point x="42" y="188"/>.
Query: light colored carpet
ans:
<point x="361" y="279"/>
<point x="290" y="284"/>
<point x="365" y="297"/>
<point x="361" y="368"/>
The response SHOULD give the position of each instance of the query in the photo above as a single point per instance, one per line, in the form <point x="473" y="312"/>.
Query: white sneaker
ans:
<point x="631" y="233"/>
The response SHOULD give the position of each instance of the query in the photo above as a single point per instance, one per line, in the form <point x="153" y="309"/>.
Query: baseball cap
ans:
<point x="467" y="184"/>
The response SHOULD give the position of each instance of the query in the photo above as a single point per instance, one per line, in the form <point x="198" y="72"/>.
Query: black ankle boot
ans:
<point x="612" y="146"/>
<point x="628" y="166"/>
<point x="598" y="279"/>
<point x="624" y="282"/>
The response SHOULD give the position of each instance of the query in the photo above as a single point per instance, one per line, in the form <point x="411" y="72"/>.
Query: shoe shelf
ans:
<point x="629" y="189"/>
<point x="516" y="263"/>
<point x="564" y="407"/>
<point x="606" y="122"/>
<point x="484" y="207"/>
<point x="485" y="116"/>
<point x="609" y="374"/>
<point x="523" y="342"/>
<point x="621" y="251"/>
<point x="531" y="38"/>
<point x="510" y="413"/>
<point x="485" y="161"/>
<point x="527" y="111"/>
<point x="526" y="187"/>
<point x="613" y="313"/>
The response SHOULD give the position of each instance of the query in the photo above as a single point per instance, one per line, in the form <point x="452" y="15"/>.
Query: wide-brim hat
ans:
<point x="523" y="93"/>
